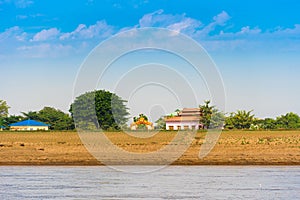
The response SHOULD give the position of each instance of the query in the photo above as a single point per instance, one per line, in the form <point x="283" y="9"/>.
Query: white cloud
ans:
<point x="288" y="32"/>
<point x="18" y="3"/>
<point x="149" y="20"/>
<point x="218" y="34"/>
<point x="46" y="34"/>
<point x="256" y="33"/>
<point x="23" y="3"/>
<point x="11" y="33"/>
<point x="23" y="17"/>
<point x="182" y="23"/>
<point x="245" y="32"/>
<point x="20" y="17"/>
<point x="221" y="18"/>
<point x="186" y="25"/>
<point x="74" y="33"/>
<point x="178" y="23"/>
<point x="218" y="20"/>
<point x="248" y="30"/>
<point x="100" y="29"/>
<point x="22" y="37"/>
<point x="45" y="50"/>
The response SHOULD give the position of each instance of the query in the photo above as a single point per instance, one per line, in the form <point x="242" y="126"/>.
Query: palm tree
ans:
<point x="178" y="111"/>
<point x="240" y="120"/>
<point x="206" y="113"/>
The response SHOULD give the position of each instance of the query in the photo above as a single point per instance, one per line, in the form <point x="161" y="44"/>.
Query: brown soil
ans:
<point x="232" y="148"/>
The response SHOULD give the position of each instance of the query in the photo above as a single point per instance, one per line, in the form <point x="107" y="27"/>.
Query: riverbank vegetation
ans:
<point x="105" y="110"/>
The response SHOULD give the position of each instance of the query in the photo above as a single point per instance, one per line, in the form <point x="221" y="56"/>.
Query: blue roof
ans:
<point x="2" y="126"/>
<point x="29" y="122"/>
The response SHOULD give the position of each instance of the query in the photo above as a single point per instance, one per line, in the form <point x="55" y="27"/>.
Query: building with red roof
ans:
<point x="188" y="118"/>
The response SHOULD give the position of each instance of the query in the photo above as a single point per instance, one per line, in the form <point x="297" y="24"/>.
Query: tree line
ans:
<point x="242" y="119"/>
<point x="105" y="110"/>
<point x="211" y="118"/>
<point x="92" y="110"/>
<point x="55" y="117"/>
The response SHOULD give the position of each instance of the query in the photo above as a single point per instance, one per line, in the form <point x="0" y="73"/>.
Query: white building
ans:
<point x="29" y="125"/>
<point x="188" y="118"/>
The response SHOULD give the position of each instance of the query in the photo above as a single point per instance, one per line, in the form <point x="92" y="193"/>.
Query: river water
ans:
<point x="172" y="182"/>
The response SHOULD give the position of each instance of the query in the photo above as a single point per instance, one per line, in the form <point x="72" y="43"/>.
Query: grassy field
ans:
<point x="232" y="148"/>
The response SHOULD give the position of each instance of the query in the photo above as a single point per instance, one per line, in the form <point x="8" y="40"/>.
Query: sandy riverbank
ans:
<point x="232" y="148"/>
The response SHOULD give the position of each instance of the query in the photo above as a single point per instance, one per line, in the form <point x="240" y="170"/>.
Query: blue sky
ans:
<point x="255" y="45"/>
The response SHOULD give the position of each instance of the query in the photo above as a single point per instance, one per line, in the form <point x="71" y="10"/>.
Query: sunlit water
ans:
<point x="174" y="182"/>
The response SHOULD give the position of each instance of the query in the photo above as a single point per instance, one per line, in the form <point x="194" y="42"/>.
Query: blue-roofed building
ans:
<point x="29" y="125"/>
<point x="2" y="128"/>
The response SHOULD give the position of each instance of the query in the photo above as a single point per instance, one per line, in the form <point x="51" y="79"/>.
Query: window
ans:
<point x="171" y="128"/>
<point x="193" y="127"/>
<point x="178" y="127"/>
<point x="186" y="127"/>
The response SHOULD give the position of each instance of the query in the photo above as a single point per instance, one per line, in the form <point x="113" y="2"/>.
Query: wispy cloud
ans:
<point x="291" y="32"/>
<point x="23" y="17"/>
<point x="182" y="23"/>
<point x="136" y="4"/>
<point x="45" y="50"/>
<point x="99" y="30"/>
<point x="46" y="41"/>
<point x="218" y="20"/>
<point x="18" y="3"/>
<point x="174" y="22"/>
<point x="12" y="33"/>
<point x="23" y="3"/>
<point x="245" y="32"/>
<point x="219" y="35"/>
<point x="185" y="24"/>
<point x="248" y="30"/>
<point x="216" y="35"/>
<point x="46" y="34"/>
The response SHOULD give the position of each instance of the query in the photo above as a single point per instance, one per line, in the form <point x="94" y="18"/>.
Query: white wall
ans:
<point x="182" y="124"/>
<point x="29" y="128"/>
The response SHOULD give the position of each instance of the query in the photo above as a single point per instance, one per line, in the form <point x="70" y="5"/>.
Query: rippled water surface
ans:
<point x="174" y="182"/>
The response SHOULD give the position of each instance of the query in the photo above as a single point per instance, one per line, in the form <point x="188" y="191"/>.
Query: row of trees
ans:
<point x="92" y="110"/>
<point x="211" y="118"/>
<point x="105" y="110"/>
<point x="56" y="118"/>
<point x="242" y="119"/>
<point x="99" y="109"/>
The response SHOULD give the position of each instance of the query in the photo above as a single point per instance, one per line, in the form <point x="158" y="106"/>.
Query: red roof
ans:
<point x="187" y="114"/>
<point x="183" y="118"/>
<point x="190" y="112"/>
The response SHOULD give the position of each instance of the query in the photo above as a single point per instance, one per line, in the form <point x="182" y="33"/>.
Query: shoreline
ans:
<point x="234" y="148"/>
<point x="102" y="165"/>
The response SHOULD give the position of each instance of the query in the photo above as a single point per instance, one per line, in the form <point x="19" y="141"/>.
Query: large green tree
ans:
<point x="267" y="123"/>
<point x="11" y="119"/>
<point x="288" y="121"/>
<point x="211" y="117"/>
<point x="3" y="113"/>
<point x="31" y="115"/>
<point x="3" y="109"/>
<point x="57" y="119"/>
<point x="217" y="119"/>
<point x="206" y="112"/>
<point x="161" y="123"/>
<point x="240" y="120"/>
<point x="99" y="109"/>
